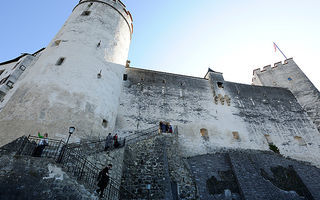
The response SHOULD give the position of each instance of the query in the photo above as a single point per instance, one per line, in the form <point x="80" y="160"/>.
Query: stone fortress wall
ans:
<point x="289" y="75"/>
<point x="222" y="128"/>
<point x="212" y="114"/>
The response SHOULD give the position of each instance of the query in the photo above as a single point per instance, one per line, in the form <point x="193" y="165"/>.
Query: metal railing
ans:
<point x="143" y="134"/>
<point x="74" y="162"/>
<point x="30" y="144"/>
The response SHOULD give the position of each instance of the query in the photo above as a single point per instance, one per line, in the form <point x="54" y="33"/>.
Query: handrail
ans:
<point x="120" y="140"/>
<point x="74" y="162"/>
<point x="142" y="133"/>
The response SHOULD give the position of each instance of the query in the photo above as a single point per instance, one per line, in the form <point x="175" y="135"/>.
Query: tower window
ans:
<point x="268" y="138"/>
<point x="57" y="42"/>
<point x="125" y="77"/>
<point x="220" y="84"/>
<point x="22" y="67"/>
<point x="104" y="123"/>
<point x="204" y="134"/>
<point x="300" y="140"/>
<point x="60" y="61"/>
<point x="10" y="84"/>
<point x="236" y="135"/>
<point x="86" y="13"/>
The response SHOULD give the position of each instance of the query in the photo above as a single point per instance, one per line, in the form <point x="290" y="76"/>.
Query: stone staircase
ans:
<point x="73" y="161"/>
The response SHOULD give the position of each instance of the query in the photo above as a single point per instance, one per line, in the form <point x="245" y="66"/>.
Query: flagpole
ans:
<point x="280" y="50"/>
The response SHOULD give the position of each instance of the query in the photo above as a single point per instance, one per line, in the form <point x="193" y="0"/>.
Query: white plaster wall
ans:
<point x="253" y="112"/>
<point x="51" y="98"/>
<point x="302" y="88"/>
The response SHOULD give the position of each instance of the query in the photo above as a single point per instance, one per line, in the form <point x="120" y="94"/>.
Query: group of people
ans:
<point x="165" y="127"/>
<point x="111" y="141"/>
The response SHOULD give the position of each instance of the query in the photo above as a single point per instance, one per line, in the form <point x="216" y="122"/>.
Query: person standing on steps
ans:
<point x="115" y="140"/>
<point x="103" y="179"/>
<point x="108" y="142"/>
<point x="41" y="145"/>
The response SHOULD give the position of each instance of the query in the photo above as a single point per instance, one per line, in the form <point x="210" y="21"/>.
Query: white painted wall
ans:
<point x="253" y="112"/>
<point x="51" y="98"/>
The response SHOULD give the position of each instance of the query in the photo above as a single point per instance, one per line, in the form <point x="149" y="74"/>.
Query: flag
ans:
<point x="275" y="47"/>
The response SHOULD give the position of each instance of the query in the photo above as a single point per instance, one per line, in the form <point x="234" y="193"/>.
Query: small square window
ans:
<point x="236" y="135"/>
<point x="86" y="13"/>
<point x="10" y="84"/>
<point x="60" y="61"/>
<point x="220" y="84"/>
<point x="125" y="77"/>
<point x="22" y="67"/>
<point x="57" y="42"/>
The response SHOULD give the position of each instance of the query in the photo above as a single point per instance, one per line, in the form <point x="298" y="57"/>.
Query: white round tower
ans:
<point x="77" y="79"/>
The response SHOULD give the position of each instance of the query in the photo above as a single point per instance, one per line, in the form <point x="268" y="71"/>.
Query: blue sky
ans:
<point x="187" y="37"/>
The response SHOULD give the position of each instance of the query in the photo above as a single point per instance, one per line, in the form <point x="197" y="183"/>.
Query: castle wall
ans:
<point x="234" y="115"/>
<point x="63" y="88"/>
<point x="10" y="73"/>
<point x="290" y="76"/>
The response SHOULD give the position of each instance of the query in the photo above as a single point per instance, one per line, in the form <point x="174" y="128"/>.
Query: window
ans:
<point x="220" y="84"/>
<point x="57" y="42"/>
<point x="10" y="84"/>
<point x="86" y="13"/>
<point x="60" y="61"/>
<point x="300" y="140"/>
<point x="268" y="138"/>
<point x="22" y="67"/>
<point x="104" y="123"/>
<point x="236" y="135"/>
<point x="204" y="134"/>
<point x="125" y="77"/>
<point x="1" y="71"/>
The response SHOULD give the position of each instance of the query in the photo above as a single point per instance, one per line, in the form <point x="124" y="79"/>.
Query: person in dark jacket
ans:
<point x="103" y="179"/>
<point x="108" y="142"/>
<point x="115" y="141"/>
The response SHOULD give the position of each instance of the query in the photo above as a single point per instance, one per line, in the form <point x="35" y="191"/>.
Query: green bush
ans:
<point x="274" y="148"/>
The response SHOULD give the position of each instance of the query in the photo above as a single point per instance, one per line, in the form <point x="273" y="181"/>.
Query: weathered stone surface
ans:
<point x="234" y="115"/>
<point x="255" y="176"/>
<point x="144" y="164"/>
<point x="37" y="178"/>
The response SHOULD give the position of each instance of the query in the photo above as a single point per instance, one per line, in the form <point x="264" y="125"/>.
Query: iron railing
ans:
<point x="75" y="163"/>
<point x="29" y="145"/>
<point x="143" y="134"/>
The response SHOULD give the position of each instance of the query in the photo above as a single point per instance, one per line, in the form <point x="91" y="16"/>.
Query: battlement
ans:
<point x="118" y="5"/>
<point x="288" y="61"/>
